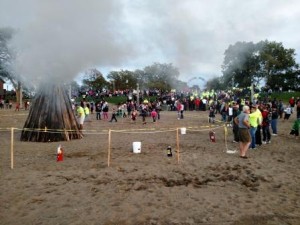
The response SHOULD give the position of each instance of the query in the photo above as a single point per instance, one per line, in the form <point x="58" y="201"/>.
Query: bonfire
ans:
<point x="51" y="117"/>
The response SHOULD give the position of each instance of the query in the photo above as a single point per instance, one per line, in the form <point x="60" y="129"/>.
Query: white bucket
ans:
<point x="137" y="147"/>
<point x="183" y="130"/>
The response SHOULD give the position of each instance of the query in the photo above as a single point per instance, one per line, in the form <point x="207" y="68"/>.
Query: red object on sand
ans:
<point x="212" y="136"/>
<point x="60" y="154"/>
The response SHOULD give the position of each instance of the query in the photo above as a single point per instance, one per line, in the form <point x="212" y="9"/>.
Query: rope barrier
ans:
<point x="150" y="130"/>
<point x="109" y="133"/>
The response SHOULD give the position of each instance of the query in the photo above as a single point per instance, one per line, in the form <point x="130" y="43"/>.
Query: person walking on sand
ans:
<point x="80" y="116"/>
<point x="134" y="115"/>
<point x="113" y="116"/>
<point x="244" y="136"/>
<point x="105" y="109"/>
<point x="154" y="115"/>
<point x="87" y="112"/>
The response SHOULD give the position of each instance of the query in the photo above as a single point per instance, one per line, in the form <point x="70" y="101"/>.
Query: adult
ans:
<point x="292" y="103"/>
<point x="105" y="109"/>
<point x="235" y="127"/>
<point x="244" y="135"/>
<point x="298" y="108"/>
<point x="254" y="120"/>
<point x="98" y="111"/>
<point x="274" y="119"/>
<point x="87" y="112"/>
<point x="80" y="116"/>
<point x="266" y="114"/>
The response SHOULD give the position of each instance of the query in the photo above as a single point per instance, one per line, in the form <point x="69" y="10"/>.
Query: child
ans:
<point x="295" y="128"/>
<point x="211" y="116"/>
<point x="154" y="115"/>
<point x="134" y="115"/>
<point x="287" y="112"/>
<point x="113" y="116"/>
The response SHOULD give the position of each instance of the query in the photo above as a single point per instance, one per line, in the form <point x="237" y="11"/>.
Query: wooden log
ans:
<point x="51" y="108"/>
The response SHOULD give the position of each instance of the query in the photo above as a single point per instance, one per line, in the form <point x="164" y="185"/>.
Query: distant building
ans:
<point x="2" y="90"/>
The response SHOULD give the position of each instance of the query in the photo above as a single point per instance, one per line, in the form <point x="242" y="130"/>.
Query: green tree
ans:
<point x="278" y="66"/>
<point x="94" y="80"/>
<point x="122" y="80"/>
<point x="161" y="76"/>
<point x="215" y="84"/>
<point x="6" y="57"/>
<point x="246" y="63"/>
<point x="241" y="65"/>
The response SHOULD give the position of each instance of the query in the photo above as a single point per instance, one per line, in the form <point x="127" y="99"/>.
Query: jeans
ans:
<point x="252" y="133"/>
<point x="274" y="126"/>
<point x="266" y="133"/>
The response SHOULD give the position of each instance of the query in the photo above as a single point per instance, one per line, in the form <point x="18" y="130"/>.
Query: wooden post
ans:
<point x="225" y="137"/>
<point x="12" y="148"/>
<point x="109" y="146"/>
<point x="177" y="144"/>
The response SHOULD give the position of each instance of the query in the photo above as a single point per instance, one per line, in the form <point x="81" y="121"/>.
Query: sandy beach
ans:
<point x="98" y="183"/>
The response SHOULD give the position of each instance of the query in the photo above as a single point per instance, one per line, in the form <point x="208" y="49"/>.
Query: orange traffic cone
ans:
<point x="60" y="154"/>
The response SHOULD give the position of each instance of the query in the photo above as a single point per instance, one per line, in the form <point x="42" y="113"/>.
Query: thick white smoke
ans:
<point x="66" y="37"/>
<point x="60" y="38"/>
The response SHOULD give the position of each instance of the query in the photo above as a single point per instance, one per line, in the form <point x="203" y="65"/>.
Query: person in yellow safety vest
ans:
<point x="80" y="115"/>
<point x="87" y="112"/>
<point x="255" y="119"/>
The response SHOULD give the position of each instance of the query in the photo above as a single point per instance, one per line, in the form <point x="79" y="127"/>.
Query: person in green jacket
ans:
<point x="295" y="128"/>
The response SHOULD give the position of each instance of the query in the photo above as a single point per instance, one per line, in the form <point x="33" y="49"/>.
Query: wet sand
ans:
<point x="201" y="185"/>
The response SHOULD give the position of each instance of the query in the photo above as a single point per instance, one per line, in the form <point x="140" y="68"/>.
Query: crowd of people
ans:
<point x="254" y="124"/>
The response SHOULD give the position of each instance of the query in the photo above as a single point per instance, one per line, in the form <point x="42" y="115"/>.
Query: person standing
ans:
<point x="98" y="111"/>
<point x="113" y="116"/>
<point x="274" y="121"/>
<point x="292" y="103"/>
<point x="287" y="112"/>
<point x="87" y="112"/>
<point x="235" y="127"/>
<point x="105" y="109"/>
<point x="80" y="116"/>
<point x="154" y="115"/>
<point x="298" y="108"/>
<point x="244" y="136"/>
<point x="266" y="114"/>
<point x="254" y="120"/>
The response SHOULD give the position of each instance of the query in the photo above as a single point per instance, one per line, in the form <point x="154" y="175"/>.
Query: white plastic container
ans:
<point x="137" y="147"/>
<point x="183" y="130"/>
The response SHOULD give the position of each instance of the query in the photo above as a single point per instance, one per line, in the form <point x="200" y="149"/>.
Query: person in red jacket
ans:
<point x="292" y="103"/>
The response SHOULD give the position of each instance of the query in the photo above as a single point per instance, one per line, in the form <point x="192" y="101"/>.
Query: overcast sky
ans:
<point x="61" y="38"/>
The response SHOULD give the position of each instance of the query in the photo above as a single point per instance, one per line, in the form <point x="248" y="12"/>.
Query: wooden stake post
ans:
<point x="12" y="148"/>
<point x="177" y="143"/>
<point x="109" y="146"/>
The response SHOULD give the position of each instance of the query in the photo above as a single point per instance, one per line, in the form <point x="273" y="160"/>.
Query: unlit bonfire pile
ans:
<point x="51" y="117"/>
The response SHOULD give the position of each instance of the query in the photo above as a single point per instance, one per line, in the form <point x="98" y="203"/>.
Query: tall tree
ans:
<point x="278" y="66"/>
<point x="215" y="84"/>
<point x="6" y="57"/>
<point x="241" y="65"/>
<point x="122" y="80"/>
<point x="161" y="76"/>
<point x="94" y="80"/>
<point x="247" y="63"/>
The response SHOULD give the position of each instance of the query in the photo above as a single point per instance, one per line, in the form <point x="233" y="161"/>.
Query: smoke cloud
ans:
<point x="66" y="37"/>
<point x="58" y="39"/>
